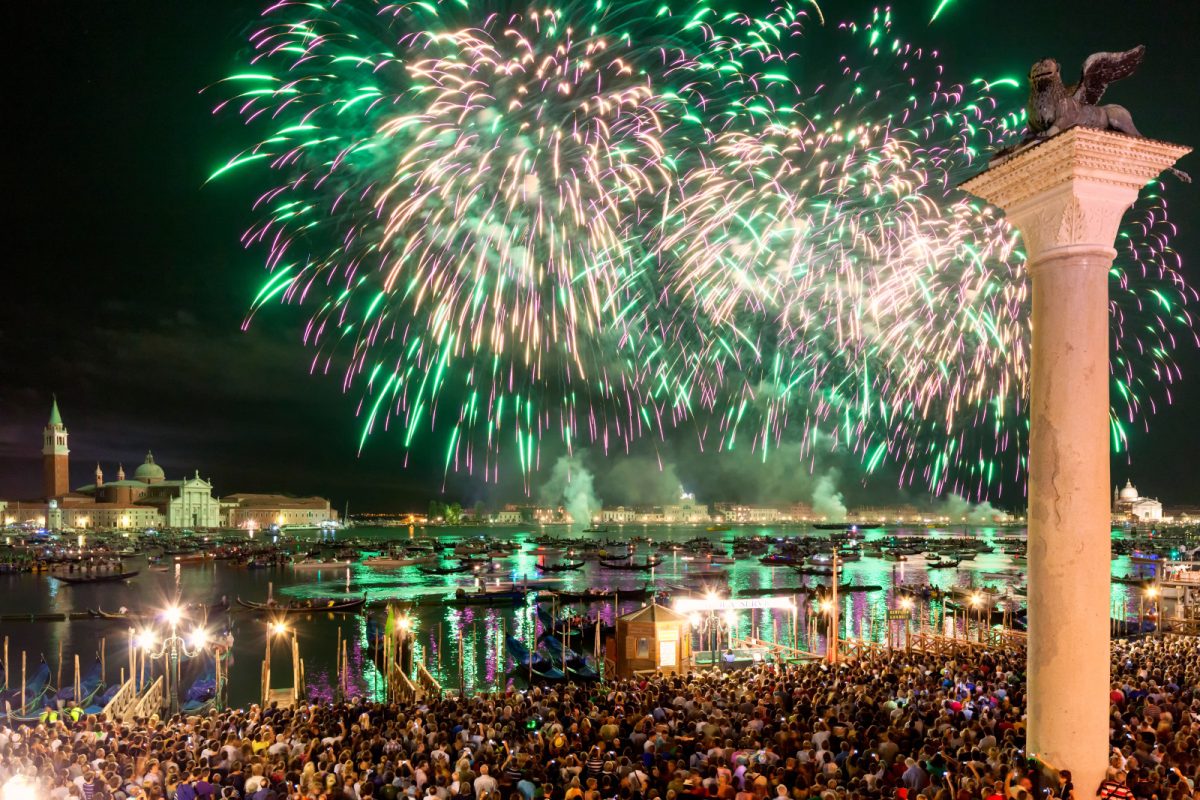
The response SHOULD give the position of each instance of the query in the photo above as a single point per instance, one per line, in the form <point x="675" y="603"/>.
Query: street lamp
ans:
<point x="906" y="603"/>
<point x="170" y="648"/>
<point x="976" y="603"/>
<point x="1151" y="593"/>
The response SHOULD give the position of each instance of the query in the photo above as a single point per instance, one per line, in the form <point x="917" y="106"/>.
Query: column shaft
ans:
<point x="1069" y="520"/>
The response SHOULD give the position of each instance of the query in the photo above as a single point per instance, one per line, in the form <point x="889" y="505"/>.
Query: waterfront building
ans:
<point x="185" y="503"/>
<point x="735" y="512"/>
<point x="149" y="500"/>
<point x="506" y="517"/>
<point x="621" y="515"/>
<point x="687" y="511"/>
<point x="1129" y="505"/>
<point x="259" y="511"/>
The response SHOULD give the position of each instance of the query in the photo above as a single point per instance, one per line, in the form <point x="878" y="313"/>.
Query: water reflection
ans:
<point x="468" y="643"/>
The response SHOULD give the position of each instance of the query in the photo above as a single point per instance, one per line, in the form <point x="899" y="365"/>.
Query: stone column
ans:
<point x="1067" y="196"/>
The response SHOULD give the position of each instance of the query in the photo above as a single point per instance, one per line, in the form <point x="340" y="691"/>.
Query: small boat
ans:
<point x="600" y="529"/>
<point x="389" y="562"/>
<point x="894" y="555"/>
<point x="600" y="596"/>
<point x="565" y="566"/>
<point x="532" y="664"/>
<point x="717" y="528"/>
<point x="453" y="570"/>
<point x="578" y="667"/>
<point x="631" y="566"/>
<point x="96" y="577"/>
<point x="323" y="606"/>
<point x="316" y="563"/>
<point x="509" y="597"/>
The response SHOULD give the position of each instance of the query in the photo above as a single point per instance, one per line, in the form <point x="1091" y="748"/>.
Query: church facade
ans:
<point x="1129" y="505"/>
<point x="146" y="500"/>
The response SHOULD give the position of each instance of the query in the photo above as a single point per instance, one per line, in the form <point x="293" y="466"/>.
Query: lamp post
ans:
<point x="710" y="626"/>
<point x="171" y="648"/>
<point x="906" y="603"/>
<point x="977" y="605"/>
<point x="1152" y="595"/>
<point x="826" y="607"/>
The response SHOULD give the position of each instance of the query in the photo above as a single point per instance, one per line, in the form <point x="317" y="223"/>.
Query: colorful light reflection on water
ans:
<point x="466" y="645"/>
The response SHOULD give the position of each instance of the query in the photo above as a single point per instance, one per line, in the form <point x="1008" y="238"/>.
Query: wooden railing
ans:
<point x="860" y="648"/>
<point x="151" y="701"/>
<point x="427" y="682"/>
<point x="121" y="705"/>
<point x="402" y="687"/>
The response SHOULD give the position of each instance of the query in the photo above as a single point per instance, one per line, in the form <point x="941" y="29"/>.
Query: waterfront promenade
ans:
<point x="898" y="725"/>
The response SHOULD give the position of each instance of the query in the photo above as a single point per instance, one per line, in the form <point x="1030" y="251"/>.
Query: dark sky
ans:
<point x="126" y="284"/>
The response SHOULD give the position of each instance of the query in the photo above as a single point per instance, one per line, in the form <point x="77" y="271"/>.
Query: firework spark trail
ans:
<point x="603" y="221"/>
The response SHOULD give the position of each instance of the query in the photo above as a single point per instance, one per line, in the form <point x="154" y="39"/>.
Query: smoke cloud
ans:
<point x="958" y="508"/>
<point x="571" y="485"/>
<point x="826" y="499"/>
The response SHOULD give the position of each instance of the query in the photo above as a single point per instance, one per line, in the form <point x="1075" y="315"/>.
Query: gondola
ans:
<point x="532" y="664"/>
<point x="565" y="566"/>
<point x="578" y="667"/>
<point x="110" y="577"/>
<point x="598" y="596"/>
<point x="941" y="565"/>
<point x="89" y="685"/>
<point x="510" y="597"/>
<point x="455" y="570"/>
<point x="331" y="607"/>
<point x="631" y="567"/>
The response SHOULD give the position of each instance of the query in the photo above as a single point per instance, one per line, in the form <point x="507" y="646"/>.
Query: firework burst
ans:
<point x="602" y="221"/>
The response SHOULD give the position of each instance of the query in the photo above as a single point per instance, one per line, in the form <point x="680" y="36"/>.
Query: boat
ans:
<point x="387" y="562"/>
<point x="829" y="526"/>
<point x="532" y="664"/>
<point x="96" y="577"/>
<point x="565" y="566"/>
<point x="321" y="606"/>
<point x="631" y="566"/>
<point x="947" y="564"/>
<point x="578" y="667"/>
<point x="453" y="570"/>
<point x="601" y="596"/>
<point x="316" y="563"/>
<point x="717" y="528"/>
<point x="507" y="597"/>
<point x="89" y="684"/>
<point x="894" y="555"/>
<point x="36" y="687"/>
<point x="600" y="529"/>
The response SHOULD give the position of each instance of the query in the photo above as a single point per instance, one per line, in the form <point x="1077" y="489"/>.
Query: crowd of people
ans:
<point x="906" y="726"/>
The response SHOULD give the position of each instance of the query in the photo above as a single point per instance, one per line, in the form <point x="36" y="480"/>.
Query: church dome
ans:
<point x="149" y="472"/>
<point x="1129" y="493"/>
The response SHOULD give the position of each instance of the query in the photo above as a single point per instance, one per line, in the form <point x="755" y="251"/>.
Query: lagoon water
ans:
<point x="479" y="630"/>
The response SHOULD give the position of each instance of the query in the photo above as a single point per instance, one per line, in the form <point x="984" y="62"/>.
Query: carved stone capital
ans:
<point x="1073" y="189"/>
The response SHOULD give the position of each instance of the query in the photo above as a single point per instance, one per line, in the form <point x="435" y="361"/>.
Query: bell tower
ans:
<point x="55" y="472"/>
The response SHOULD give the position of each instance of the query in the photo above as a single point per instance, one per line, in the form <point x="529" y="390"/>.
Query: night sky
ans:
<point x="127" y="286"/>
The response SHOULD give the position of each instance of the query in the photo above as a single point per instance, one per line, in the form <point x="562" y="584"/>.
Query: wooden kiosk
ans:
<point x="652" y="639"/>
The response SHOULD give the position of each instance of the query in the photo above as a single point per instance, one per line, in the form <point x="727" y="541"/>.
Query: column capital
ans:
<point x="1071" y="190"/>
